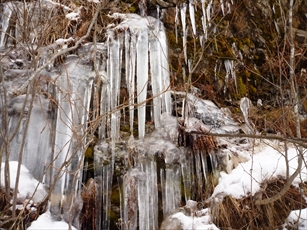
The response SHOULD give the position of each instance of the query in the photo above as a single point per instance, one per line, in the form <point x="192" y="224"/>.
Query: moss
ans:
<point x="241" y="87"/>
<point x="247" y="41"/>
<point x="252" y="89"/>
<point x="115" y="197"/>
<point x="132" y="9"/>
<point x="89" y="152"/>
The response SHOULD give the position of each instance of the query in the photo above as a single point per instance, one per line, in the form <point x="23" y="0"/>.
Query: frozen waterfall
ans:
<point x="75" y="113"/>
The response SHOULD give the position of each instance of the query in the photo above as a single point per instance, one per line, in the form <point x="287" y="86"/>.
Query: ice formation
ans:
<point x="5" y="18"/>
<point x="60" y="117"/>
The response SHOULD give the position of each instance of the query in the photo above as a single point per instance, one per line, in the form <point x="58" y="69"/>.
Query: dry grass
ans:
<point x="242" y="213"/>
<point x="88" y="214"/>
<point x="278" y="121"/>
<point x="24" y="217"/>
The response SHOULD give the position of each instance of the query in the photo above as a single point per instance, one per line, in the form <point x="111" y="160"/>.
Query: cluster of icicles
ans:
<point x="139" y="44"/>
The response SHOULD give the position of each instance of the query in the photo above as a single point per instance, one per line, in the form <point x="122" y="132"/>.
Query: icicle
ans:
<point x="229" y="8"/>
<point x="276" y="26"/>
<point x="172" y="193"/>
<point x="186" y="174"/>
<point x="184" y="32"/>
<point x="72" y="115"/>
<point x="192" y="16"/>
<point x="130" y="206"/>
<point x="165" y="76"/>
<point x="208" y="10"/>
<point x="148" y="194"/>
<point x="176" y="22"/>
<point x="142" y="79"/>
<point x="204" y="19"/>
<point x="130" y="46"/>
<point x="222" y="7"/>
<point x="229" y="66"/>
<point x="103" y="176"/>
<point x="104" y="129"/>
<point x="6" y="16"/>
<point x="114" y="73"/>
<point x="62" y="143"/>
<point x="199" y="172"/>
<point x="156" y="77"/>
<point x="245" y="105"/>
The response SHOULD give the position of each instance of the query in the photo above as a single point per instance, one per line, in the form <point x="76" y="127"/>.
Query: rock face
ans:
<point x="246" y="33"/>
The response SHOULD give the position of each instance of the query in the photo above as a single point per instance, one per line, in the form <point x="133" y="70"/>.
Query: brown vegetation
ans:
<point x="244" y="214"/>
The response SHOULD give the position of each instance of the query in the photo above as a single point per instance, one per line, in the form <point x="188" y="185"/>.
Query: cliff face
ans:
<point x="252" y="35"/>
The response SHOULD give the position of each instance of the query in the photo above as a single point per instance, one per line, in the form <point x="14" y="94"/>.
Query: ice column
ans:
<point x="130" y="187"/>
<point x="156" y="77"/>
<point x="37" y="147"/>
<point x="114" y="73"/>
<point x="166" y="96"/>
<point x="73" y="98"/>
<point x="142" y="78"/>
<point x="103" y="176"/>
<point x="171" y="194"/>
<point x="130" y="48"/>
<point x="148" y="194"/>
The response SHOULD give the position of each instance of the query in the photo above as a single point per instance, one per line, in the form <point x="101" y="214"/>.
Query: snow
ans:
<point x="247" y="177"/>
<point x="45" y="222"/>
<point x="196" y="223"/>
<point x="27" y="184"/>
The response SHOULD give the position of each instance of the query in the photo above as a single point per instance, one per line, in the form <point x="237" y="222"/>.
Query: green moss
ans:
<point x="247" y="41"/>
<point x="252" y="89"/>
<point x="115" y="197"/>
<point x="241" y="87"/>
<point x="112" y="215"/>
<point x="132" y="9"/>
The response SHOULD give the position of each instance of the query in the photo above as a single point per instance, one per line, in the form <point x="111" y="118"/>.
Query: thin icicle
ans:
<point x="184" y="31"/>
<point x="192" y="16"/>
<point x="222" y="7"/>
<point x="208" y="11"/>
<point x="176" y="22"/>
<point x="204" y="19"/>
<point x="229" y="66"/>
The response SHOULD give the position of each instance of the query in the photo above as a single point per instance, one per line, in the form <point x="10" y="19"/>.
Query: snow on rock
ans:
<point x="27" y="184"/>
<point x="181" y="220"/>
<point x="247" y="177"/>
<point x="46" y="222"/>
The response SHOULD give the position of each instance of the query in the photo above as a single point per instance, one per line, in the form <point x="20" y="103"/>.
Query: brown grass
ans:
<point x="242" y="213"/>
